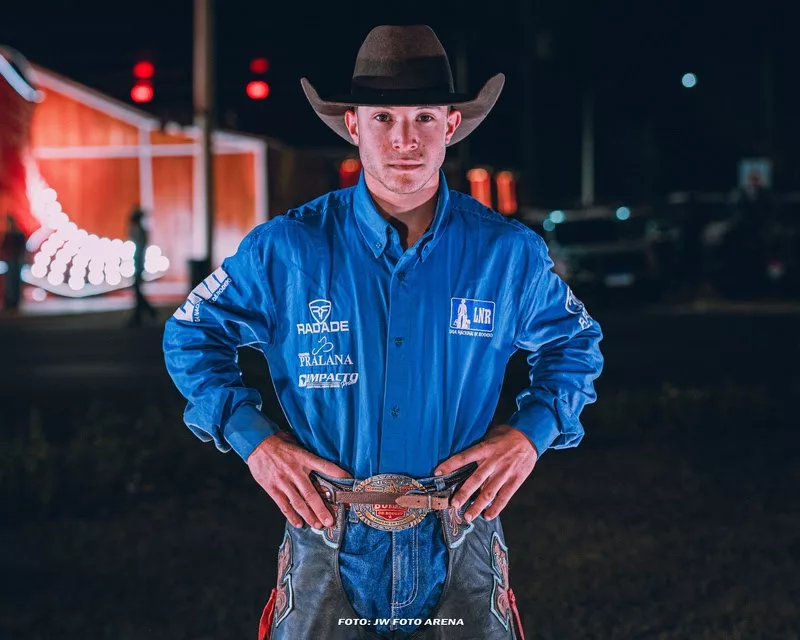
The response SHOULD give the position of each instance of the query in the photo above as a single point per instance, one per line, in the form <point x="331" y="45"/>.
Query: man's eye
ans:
<point x="426" y="118"/>
<point x="382" y="117"/>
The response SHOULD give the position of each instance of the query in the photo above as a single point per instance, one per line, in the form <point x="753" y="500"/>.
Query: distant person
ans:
<point x="138" y="235"/>
<point x="387" y="312"/>
<point x="13" y="252"/>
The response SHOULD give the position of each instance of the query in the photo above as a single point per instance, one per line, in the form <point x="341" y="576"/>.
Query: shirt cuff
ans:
<point x="539" y="423"/>
<point x="247" y="428"/>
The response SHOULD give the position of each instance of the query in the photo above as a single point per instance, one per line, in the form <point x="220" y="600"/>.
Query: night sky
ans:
<point x="652" y="135"/>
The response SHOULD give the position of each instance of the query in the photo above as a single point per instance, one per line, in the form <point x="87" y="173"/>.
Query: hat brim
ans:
<point x="473" y="110"/>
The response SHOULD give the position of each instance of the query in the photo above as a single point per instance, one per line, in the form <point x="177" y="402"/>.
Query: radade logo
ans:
<point x="320" y="311"/>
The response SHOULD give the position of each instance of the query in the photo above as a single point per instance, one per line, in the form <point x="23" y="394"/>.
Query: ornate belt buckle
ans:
<point x="389" y="517"/>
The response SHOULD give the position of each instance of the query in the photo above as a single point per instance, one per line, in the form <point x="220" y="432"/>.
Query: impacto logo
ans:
<point x="320" y="312"/>
<point x="208" y="290"/>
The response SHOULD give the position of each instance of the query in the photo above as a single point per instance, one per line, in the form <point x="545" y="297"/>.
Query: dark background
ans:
<point x="677" y="516"/>
<point x="653" y="135"/>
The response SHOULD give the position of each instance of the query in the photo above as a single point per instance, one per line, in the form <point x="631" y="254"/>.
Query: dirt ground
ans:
<point x="677" y="517"/>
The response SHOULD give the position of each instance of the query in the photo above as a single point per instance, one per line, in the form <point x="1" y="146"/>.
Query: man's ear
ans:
<point x="351" y="122"/>
<point x="453" y="120"/>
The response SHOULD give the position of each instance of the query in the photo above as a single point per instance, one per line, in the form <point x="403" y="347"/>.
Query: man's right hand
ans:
<point x="282" y="468"/>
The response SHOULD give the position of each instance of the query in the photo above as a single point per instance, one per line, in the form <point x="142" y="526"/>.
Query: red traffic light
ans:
<point x="143" y="70"/>
<point x="142" y="92"/>
<point x="259" y="65"/>
<point x="257" y="89"/>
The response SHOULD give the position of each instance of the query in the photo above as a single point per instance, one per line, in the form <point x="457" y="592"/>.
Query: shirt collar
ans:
<point x="374" y="228"/>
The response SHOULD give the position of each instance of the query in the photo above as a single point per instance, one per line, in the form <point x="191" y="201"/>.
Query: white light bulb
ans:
<point x="39" y="270"/>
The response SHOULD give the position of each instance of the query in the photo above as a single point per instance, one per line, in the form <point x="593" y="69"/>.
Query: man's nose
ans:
<point x="404" y="137"/>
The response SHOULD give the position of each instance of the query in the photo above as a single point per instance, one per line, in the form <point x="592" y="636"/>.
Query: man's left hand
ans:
<point x="505" y="458"/>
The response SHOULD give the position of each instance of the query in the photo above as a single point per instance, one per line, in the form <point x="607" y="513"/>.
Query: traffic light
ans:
<point x="480" y="186"/>
<point x="258" y="89"/>
<point x="142" y="90"/>
<point x="506" y="193"/>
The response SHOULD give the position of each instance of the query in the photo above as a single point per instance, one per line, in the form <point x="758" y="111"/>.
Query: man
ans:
<point x="13" y="251"/>
<point x="138" y="235"/>
<point x="387" y="313"/>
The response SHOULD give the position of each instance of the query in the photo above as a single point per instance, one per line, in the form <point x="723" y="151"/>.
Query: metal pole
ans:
<point x="462" y="86"/>
<point x="526" y="78"/>
<point x="587" y="148"/>
<point x="203" y="95"/>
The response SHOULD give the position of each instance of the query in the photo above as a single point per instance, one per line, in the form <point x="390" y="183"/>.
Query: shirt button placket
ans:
<point x="394" y="437"/>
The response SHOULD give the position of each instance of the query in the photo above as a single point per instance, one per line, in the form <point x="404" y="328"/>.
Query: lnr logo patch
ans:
<point x="472" y="317"/>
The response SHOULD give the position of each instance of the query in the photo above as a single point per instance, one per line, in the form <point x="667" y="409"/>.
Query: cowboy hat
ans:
<point x="404" y="66"/>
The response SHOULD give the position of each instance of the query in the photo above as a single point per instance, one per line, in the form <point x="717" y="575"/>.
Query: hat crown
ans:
<point x="406" y="57"/>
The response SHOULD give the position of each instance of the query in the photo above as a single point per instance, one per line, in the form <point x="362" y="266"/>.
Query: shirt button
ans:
<point x="401" y="276"/>
<point x="398" y="342"/>
<point x="379" y="244"/>
<point x="395" y="411"/>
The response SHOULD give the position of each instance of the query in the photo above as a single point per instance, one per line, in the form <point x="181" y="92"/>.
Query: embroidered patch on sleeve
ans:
<point x="208" y="290"/>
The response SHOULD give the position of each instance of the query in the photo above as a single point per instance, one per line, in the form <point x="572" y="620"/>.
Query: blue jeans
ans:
<point x="393" y="574"/>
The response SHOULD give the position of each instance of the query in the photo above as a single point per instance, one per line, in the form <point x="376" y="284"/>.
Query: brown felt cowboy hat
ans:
<point x="404" y="66"/>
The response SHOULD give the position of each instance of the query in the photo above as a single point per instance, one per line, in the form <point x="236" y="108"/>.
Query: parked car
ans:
<point x="606" y="253"/>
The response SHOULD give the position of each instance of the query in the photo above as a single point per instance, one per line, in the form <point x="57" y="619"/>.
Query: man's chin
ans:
<point x="406" y="186"/>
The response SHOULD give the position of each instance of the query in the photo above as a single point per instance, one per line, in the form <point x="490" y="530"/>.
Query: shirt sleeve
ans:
<point x="565" y="359"/>
<point x="231" y="308"/>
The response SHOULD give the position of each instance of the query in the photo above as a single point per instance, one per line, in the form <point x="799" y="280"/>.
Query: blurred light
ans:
<point x="143" y="70"/>
<point x="96" y="277"/>
<point x="81" y="260"/>
<point x="259" y="65"/>
<point x="557" y="216"/>
<point x="689" y="80"/>
<point x="3" y="267"/>
<point x="49" y="195"/>
<point x="351" y="164"/>
<point x="506" y="193"/>
<point x="549" y="225"/>
<point x="163" y="263"/>
<point x="39" y="270"/>
<point x="480" y="186"/>
<point x="257" y="90"/>
<point x="623" y="213"/>
<point x="128" y="250"/>
<point x="152" y="252"/>
<point x="39" y="295"/>
<point x="55" y="278"/>
<point x="126" y="269"/>
<point x="76" y="284"/>
<point x="52" y="208"/>
<point x="142" y="92"/>
<point x="113" y="278"/>
<point x="349" y="173"/>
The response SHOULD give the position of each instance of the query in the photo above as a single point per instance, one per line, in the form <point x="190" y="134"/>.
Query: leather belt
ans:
<point x="391" y="501"/>
<point x="388" y="501"/>
<point x="432" y="501"/>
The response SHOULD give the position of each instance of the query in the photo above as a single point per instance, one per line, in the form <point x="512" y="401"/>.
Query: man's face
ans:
<point x="402" y="148"/>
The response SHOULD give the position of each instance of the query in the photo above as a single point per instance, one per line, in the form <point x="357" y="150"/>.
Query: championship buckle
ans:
<point x="389" y="517"/>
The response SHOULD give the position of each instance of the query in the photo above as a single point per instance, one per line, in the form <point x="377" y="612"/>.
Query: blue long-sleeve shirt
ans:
<point x="384" y="360"/>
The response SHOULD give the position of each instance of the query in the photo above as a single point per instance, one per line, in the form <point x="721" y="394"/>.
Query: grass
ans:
<point x="677" y="517"/>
